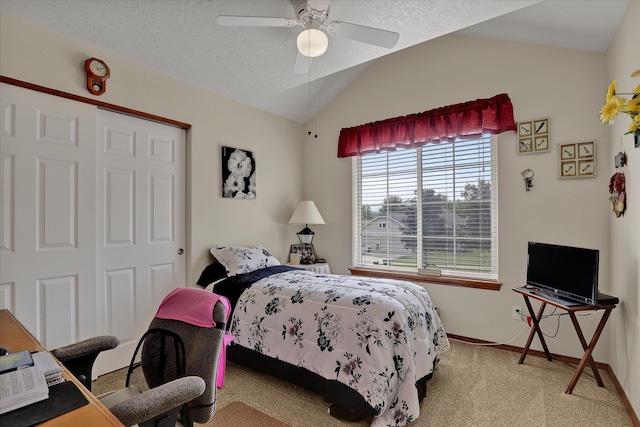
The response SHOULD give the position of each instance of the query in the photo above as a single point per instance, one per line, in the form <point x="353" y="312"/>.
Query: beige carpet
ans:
<point x="239" y="414"/>
<point x="473" y="386"/>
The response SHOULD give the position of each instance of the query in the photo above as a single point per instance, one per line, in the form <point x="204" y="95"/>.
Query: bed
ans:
<point x="368" y="346"/>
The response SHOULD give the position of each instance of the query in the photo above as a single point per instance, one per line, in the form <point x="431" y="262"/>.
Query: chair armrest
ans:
<point x="86" y="347"/>
<point x="158" y="400"/>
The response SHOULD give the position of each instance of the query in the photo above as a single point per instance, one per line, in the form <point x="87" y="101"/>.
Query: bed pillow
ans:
<point x="239" y="260"/>
<point x="212" y="273"/>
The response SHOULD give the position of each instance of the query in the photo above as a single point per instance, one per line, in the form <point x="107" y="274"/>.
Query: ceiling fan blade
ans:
<point x="375" y="36"/>
<point x="255" y="21"/>
<point x="302" y="64"/>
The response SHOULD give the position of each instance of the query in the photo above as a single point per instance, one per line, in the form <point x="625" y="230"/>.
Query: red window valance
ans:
<point x="464" y="121"/>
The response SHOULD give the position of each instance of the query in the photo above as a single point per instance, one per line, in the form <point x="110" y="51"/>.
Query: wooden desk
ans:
<point x="16" y="337"/>
<point x="588" y="349"/>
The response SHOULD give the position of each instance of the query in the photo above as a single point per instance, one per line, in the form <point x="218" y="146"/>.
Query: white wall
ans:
<point x="622" y="60"/>
<point x="566" y="85"/>
<point x="39" y="56"/>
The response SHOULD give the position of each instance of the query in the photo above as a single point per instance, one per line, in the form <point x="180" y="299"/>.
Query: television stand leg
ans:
<point x="572" y="309"/>
<point x="536" y="329"/>
<point x="587" y="350"/>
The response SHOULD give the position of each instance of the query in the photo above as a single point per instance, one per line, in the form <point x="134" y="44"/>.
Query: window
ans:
<point x="449" y="225"/>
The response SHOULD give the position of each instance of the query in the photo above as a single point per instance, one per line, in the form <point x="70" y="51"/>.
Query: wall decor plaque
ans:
<point x="533" y="136"/>
<point x="577" y="160"/>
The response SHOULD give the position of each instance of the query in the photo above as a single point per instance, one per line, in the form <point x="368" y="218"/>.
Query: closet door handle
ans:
<point x="180" y="251"/>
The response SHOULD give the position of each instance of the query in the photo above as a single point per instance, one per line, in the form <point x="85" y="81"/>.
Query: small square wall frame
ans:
<point x="577" y="160"/>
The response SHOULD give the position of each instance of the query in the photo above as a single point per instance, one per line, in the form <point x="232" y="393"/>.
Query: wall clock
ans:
<point x="97" y="74"/>
<point x="577" y="160"/>
<point x="533" y="136"/>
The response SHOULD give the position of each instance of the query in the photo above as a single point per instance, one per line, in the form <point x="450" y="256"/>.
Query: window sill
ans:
<point x="437" y="280"/>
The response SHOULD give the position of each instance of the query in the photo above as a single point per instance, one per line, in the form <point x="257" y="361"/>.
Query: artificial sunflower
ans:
<point x="612" y="108"/>
<point x="612" y="90"/>
<point x="616" y="104"/>
<point x="633" y="106"/>
<point x="635" y="124"/>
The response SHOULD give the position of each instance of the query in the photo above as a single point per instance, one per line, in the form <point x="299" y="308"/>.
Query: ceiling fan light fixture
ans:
<point x="312" y="42"/>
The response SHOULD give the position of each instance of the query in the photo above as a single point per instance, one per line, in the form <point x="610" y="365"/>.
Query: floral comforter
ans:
<point x="377" y="336"/>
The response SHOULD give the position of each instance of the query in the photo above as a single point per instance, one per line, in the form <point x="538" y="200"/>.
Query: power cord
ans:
<point x="552" y="314"/>
<point x="492" y="343"/>
<point x="525" y="325"/>
<point x="544" y="316"/>
<point x="557" y="326"/>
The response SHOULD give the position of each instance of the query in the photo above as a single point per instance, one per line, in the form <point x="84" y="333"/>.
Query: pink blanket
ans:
<point x="195" y="306"/>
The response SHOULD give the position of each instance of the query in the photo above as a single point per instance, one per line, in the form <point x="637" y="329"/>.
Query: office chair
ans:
<point x="156" y="407"/>
<point x="78" y="358"/>
<point x="184" y="341"/>
<point x="131" y="407"/>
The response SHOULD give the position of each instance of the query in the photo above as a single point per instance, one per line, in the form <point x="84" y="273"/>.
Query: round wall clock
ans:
<point x="97" y="75"/>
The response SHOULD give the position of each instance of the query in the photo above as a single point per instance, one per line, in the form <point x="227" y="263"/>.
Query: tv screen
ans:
<point x="564" y="271"/>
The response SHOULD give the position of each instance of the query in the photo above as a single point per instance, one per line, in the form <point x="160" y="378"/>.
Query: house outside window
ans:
<point x="449" y="225"/>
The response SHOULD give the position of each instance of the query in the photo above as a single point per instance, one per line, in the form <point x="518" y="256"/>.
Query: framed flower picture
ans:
<point x="533" y="136"/>
<point x="238" y="174"/>
<point x="577" y="160"/>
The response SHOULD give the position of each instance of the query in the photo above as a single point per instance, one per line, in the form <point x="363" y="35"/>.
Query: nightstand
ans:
<point x="321" y="267"/>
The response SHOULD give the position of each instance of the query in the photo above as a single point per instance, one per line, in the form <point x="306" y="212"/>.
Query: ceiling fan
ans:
<point x="313" y="15"/>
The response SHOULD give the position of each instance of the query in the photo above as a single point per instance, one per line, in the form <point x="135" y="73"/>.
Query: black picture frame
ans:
<point x="238" y="173"/>
<point x="306" y="250"/>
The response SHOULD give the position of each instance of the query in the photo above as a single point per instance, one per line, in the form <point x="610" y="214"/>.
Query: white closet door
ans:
<point x="48" y="214"/>
<point x="141" y="231"/>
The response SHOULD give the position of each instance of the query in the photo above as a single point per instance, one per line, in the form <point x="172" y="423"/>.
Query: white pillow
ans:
<point x="239" y="260"/>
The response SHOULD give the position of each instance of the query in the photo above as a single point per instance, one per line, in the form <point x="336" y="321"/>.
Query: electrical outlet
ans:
<point x="516" y="311"/>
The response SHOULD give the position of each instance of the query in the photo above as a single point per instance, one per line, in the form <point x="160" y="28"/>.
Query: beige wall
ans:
<point x="622" y="60"/>
<point x="36" y="55"/>
<point x="566" y="85"/>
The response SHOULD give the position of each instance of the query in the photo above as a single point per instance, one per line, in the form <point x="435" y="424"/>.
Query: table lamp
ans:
<point x="306" y="213"/>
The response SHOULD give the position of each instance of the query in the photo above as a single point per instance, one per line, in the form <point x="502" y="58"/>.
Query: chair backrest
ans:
<point x="198" y="317"/>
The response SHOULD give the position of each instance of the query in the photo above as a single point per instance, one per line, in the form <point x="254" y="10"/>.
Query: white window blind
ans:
<point x="449" y="225"/>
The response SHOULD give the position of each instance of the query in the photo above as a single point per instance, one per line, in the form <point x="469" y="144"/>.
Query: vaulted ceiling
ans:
<point x="254" y="65"/>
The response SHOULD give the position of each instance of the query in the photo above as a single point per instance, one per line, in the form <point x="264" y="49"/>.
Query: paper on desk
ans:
<point x="44" y="361"/>
<point x="22" y="387"/>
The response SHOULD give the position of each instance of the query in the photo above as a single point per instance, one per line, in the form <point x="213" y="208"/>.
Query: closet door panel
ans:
<point x="141" y="224"/>
<point x="92" y="226"/>
<point x="47" y="200"/>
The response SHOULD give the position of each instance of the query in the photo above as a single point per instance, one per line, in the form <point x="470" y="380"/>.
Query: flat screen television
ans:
<point x="563" y="271"/>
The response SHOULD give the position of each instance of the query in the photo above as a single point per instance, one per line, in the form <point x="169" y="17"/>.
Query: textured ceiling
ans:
<point x="255" y="65"/>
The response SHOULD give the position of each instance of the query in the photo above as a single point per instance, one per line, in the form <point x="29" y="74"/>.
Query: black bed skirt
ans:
<point x="346" y="403"/>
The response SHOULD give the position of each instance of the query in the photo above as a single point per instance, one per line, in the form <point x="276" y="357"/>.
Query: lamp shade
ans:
<point x="306" y="213"/>
<point x="312" y="42"/>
